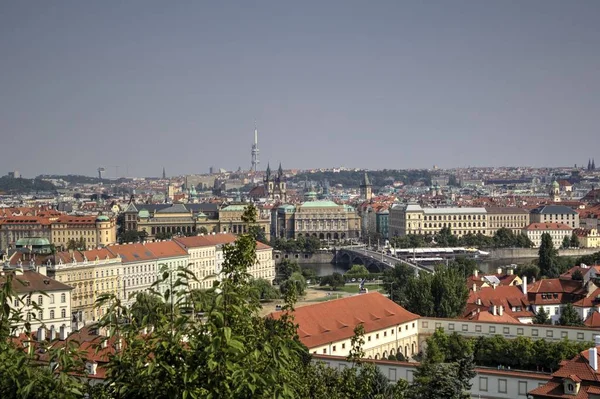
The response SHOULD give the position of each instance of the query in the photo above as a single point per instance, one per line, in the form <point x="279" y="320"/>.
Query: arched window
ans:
<point x="63" y="313"/>
<point x="40" y="300"/>
<point x="52" y="314"/>
<point x="51" y="298"/>
<point x="63" y="298"/>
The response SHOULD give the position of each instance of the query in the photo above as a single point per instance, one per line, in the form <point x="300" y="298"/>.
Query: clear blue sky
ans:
<point x="396" y="84"/>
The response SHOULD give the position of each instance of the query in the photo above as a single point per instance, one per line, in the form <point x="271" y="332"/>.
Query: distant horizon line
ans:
<point x="159" y="176"/>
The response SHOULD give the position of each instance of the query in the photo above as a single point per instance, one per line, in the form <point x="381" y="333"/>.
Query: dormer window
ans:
<point x="571" y="385"/>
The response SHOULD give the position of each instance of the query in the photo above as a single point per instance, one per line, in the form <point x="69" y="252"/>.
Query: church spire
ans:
<point x="280" y="170"/>
<point x="164" y="173"/>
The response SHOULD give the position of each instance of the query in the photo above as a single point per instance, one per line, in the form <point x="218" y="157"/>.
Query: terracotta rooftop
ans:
<point x="335" y="320"/>
<point x="32" y="281"/>
<point x="547" y="226"/>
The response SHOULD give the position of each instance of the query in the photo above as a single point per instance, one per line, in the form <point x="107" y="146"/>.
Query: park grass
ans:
<point x="352" y="288"/>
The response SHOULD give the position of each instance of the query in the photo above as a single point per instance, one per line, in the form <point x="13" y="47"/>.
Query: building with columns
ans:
<point x="324" y="220"/>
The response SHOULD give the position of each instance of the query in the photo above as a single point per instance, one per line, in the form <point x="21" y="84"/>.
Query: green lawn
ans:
<point x="352" y="288"/>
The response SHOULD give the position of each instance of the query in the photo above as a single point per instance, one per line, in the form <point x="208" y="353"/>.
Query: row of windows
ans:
<point x="502" y="385"/>
<point x="40" y="299"/>
<point x="447" y="217"/>
<point x="40" y="315"/>
<point x="506" y="330"/>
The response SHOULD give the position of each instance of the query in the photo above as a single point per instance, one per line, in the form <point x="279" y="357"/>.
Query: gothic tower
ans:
<point x="366" y="191"/>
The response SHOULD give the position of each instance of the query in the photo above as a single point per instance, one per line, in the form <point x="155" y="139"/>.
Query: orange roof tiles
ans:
<point x="132" y="252"/>
<point x="32" y="281"/>
<point x="165" y="249"/>
<point x="547" y="226"/>
<point x="335" y="320"/>
<point x="593" y="320"/>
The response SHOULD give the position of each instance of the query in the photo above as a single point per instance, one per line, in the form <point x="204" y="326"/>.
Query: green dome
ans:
<point x="102" y="218"/>
<point x="555" y="184"/>
<point x="33" y="241"/>
<point x="143" y="214"/>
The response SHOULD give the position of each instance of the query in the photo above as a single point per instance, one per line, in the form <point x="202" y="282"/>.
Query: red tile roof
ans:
<point x="593" y="320"/>
<point x="547" y="226"/>
<point x="335" y="320"/>
<point x="165" y="249"/>
<point x="31" y="281"/>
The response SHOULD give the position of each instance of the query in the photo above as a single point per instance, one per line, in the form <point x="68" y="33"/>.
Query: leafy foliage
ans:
<point x="569" y="316"/>
<point x="20" y="185"/>
<point x="442" y="294"/>
<point x="541" y="317"/>
<point x="334" y="281"/>
<point x="548" y="255"/>
<point x="308" y="245"/>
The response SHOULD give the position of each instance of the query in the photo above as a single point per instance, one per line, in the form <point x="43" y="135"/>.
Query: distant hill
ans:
<point x="10" y="185"/>
<point x="378" y="178"/>
<point x="80" y="179"/>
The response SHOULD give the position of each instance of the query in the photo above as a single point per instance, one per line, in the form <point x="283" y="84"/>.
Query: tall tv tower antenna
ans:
<point x="255" y="150"/>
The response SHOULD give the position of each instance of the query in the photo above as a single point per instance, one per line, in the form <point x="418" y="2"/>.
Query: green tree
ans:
<point x="523" y="241"/>
<point x="504" y="238"/>
<point x="566" y="242"/>
<point x="263" y="290"/>
<point x="395" y="282"/>
<point x="334" y="281"/>
<point x="577" y="275"/>
<point x="309" y="274"/>
<point x="547" y="259"/>
<point x="163" y="236"/>
<point x="357" y="271"/>
<point x="449" y="292"/>
<point x="529" y="270"/>
<point x="295" y="282"/>
<point x="541" y="316"/>
<point x="286" y="268"/>
<point x="574" y="243"/>
<point x="569" y="316"/>
<point x="76" y="244"/>
<point x="148" y="309"/>
<point x="437" y="380"/>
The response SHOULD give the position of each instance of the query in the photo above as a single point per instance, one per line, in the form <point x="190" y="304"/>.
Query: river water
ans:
<point x="485" y="266"/>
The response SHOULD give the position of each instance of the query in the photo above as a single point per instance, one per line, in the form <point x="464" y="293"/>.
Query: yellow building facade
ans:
<point x="413" y="219"/>
<point x="91" y="274"/>
<point x="95" y="231"/>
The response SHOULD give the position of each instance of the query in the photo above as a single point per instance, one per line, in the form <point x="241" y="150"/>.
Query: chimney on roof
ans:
<point x="478" y="301"/>
<point x="118" y="344"/>
<point x="41" y="334"/>
<point x="500" y="310"/>
<point x="104" y="343"/>
<point x="511" y="271"/>
<point x="524" y="285"/>
<point x="42" y="270"/>
<point x="593" y="357"/>
<point x="52" y="333"/>
<point x="499" y="270"/>
<point x="494" y="310"/>
<point x="475" y="273"/>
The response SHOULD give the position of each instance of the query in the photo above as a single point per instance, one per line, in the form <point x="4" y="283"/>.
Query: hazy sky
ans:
<point x="373" y="84"/>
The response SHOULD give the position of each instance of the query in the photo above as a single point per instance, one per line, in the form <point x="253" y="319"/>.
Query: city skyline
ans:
<point x="395" y="85"/>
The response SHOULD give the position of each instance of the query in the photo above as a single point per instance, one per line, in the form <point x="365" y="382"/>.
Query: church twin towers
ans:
<point x="275" y="185"/>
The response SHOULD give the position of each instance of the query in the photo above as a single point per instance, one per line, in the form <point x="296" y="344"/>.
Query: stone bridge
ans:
<point x="375" y="262"/>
